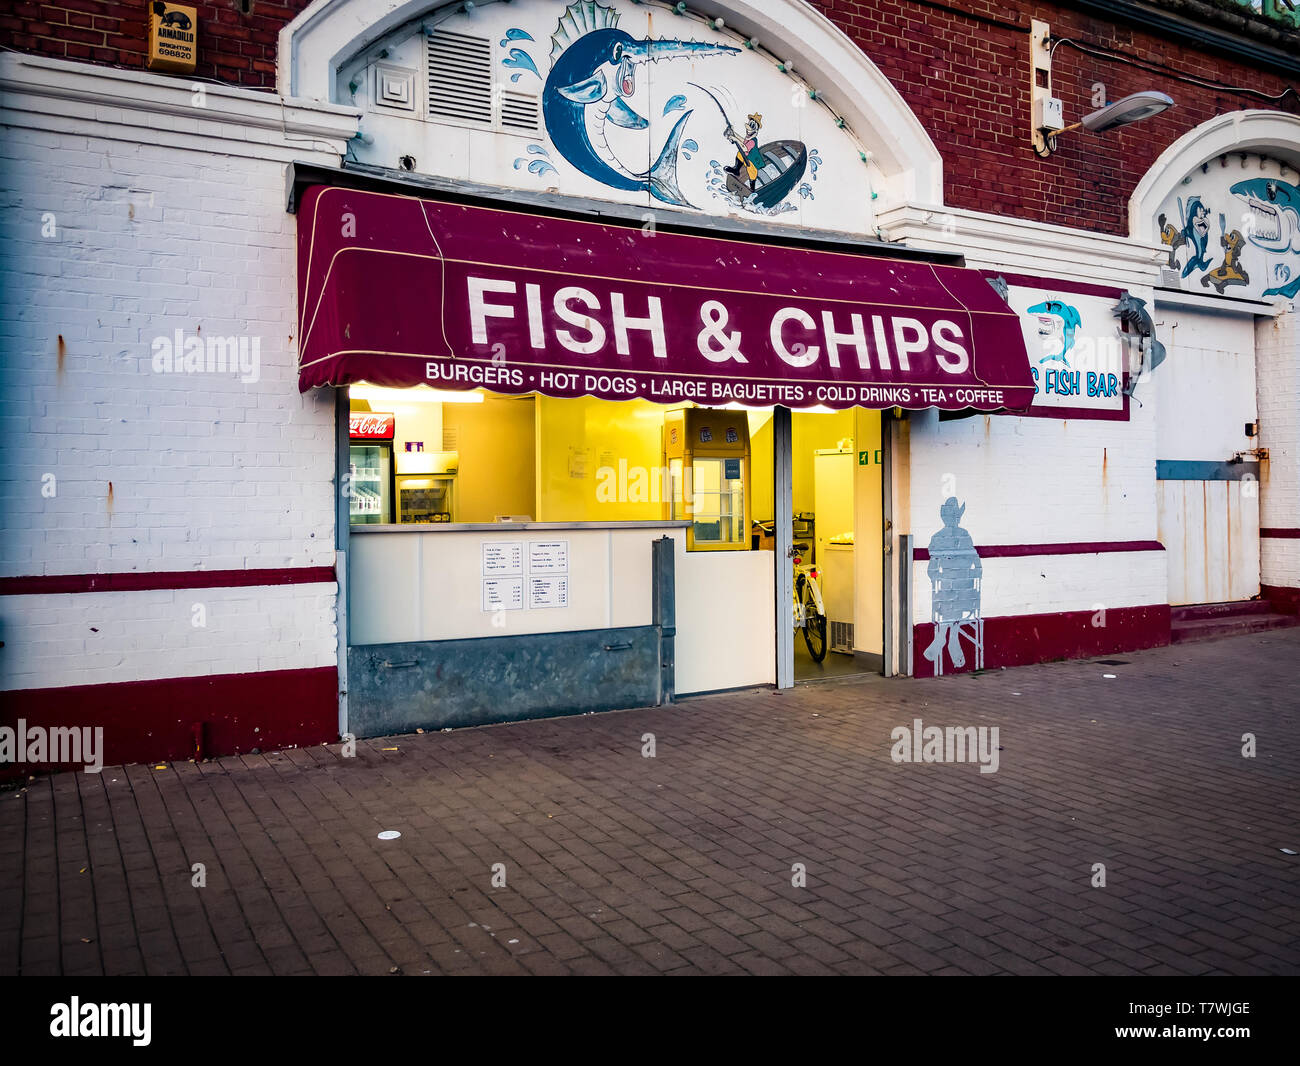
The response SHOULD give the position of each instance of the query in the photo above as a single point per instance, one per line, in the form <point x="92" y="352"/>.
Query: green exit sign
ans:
<point x="865" y="458"/>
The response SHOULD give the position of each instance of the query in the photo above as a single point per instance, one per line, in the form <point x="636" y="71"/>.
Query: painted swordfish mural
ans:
<point x="651" y="114"/>
<point x="593" y="73"/>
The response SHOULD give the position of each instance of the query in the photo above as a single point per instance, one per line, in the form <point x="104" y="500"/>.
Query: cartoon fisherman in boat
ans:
<point x="763" y="174"/>
<point x="749" y="160"/>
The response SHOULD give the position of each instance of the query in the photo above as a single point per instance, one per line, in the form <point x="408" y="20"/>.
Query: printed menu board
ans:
<point x="548" y="556"/>
<point x="504" y="579"/>
<point x="548" y="592"/>
<point x="504" y="557"/>
<point x="503" y="594"/>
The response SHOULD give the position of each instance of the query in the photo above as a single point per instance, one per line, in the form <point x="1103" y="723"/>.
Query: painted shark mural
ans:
<point x="1057" y="320"/>
<point x="1258" y="229"/>
<point x="1275" y="212"/>
<point x="594" y="68"/>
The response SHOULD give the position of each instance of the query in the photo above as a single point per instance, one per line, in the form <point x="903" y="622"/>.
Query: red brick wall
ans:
<point x="233" y="46"/>
<point x="965" y="74"/>
<point x="963" y="68"/>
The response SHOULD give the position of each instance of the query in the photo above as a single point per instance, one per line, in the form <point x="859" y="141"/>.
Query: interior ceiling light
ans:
<point x="416" y="394"/>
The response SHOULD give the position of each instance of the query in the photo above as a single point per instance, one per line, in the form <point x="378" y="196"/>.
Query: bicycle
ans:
<point x="809" y="610"/>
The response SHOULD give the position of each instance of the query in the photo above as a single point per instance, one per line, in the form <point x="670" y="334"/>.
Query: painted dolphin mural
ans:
<point x="1275" y="206"/>
<point x="1054" y="314"/>
<point x="593" y="72"/>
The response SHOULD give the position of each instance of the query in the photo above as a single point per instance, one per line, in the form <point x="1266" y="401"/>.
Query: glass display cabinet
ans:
<point x="707" y="454"/>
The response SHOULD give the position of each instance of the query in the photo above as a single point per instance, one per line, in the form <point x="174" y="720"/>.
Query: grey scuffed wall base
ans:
<point x="398" y="688"/>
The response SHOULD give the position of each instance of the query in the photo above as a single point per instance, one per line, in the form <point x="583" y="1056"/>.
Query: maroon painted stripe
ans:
<point x="1085" y="547"/>
<point x="1083" y="288"/>
<point x="1077" y="414"/>
<point x="1283" y="599"/>
<point x="164" y="579"/>
<point x="169" y="718"/>
<point x="1280" y="532"/>
<point x="1018" y="640"/>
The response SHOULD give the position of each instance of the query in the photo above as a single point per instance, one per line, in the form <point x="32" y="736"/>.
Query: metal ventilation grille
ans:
<point x="841" y="636"/>
<point x="460" y="77"/>
<point x="520" y="111"/>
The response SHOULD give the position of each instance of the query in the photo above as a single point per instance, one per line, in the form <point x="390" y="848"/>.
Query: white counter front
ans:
<point x="421" y="583"/>
<point x="453" y="582"/>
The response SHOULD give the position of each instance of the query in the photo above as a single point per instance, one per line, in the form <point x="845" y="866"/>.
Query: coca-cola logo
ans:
<point x="369" y="425"/>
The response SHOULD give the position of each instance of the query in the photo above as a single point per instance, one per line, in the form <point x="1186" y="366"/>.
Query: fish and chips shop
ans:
<point x="689" y="389"/>
<point x="595" y="354"/>
<point x="570" y="446"/>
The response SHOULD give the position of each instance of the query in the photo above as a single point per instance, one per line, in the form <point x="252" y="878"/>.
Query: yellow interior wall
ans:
<point x="577" y="438"/>
<point x="760" y="481"/>
<point x="496" y="442"/>
<point x="869" y="516"/>
<point x="810" y="432"/>
<point x="413" y="418"/>
<point x="416" y="422"/>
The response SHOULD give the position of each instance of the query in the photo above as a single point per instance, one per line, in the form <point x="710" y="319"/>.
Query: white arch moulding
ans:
<point x="1272" y="133"/>
<point x="908" y="167"/>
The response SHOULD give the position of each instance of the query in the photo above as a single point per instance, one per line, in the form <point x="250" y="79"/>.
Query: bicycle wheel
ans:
<point x="814" y="623"/>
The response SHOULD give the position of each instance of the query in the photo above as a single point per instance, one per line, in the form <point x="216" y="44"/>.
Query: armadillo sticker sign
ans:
<point x="1077" y="353"/>
<point x="399" y="291"/>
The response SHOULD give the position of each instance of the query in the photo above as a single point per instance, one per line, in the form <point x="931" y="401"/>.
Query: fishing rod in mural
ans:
<point x="596" y="109"/>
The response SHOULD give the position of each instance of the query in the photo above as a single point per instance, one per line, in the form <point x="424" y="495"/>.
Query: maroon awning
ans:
<point x="400" y="291"/>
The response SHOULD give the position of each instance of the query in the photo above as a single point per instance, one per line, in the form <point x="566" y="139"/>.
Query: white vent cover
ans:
<point x="460" y="77"/>
<point x="462" y="87"/>
<point x="841" y="636"/>
<point x="394" y="87"/>
<point x="520" y="112"/>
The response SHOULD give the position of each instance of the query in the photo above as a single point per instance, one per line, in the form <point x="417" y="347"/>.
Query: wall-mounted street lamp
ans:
<point x="1132" y="108"/>
<point x="1048" y="121"/>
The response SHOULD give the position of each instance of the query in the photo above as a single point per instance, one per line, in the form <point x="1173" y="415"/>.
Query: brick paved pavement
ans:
<point x="682" y="863"/>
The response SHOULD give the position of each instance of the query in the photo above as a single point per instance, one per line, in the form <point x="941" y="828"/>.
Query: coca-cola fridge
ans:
<point x="371" y="475"/>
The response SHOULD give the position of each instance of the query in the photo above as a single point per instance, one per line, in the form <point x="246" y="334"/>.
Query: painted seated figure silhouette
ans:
<point x="955" y="570"/>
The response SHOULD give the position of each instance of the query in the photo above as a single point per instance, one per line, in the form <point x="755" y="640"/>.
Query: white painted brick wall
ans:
<point x="154" y="233"/>
<point x="1277" y="345"/>
<point x="1048" y="584"/>
<point x="1043" y="481"/>
<point x="97" y="638"/>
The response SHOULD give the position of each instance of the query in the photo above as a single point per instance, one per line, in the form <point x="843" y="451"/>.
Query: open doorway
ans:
<point x="838" y="518"/>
